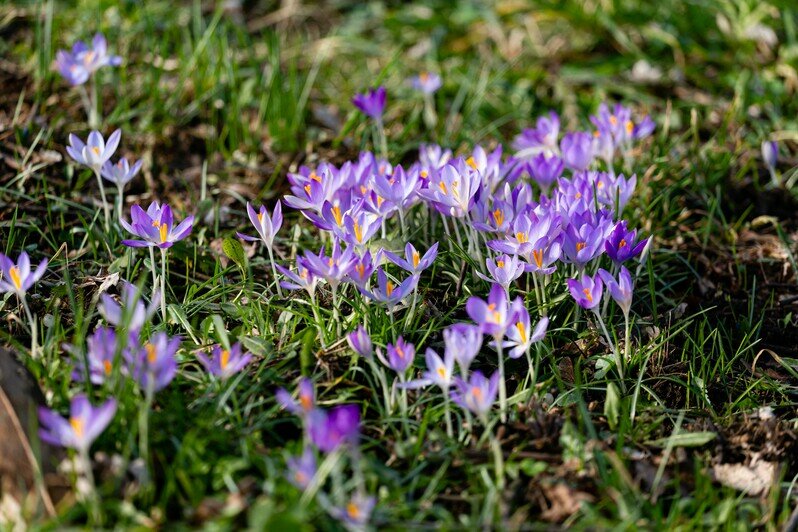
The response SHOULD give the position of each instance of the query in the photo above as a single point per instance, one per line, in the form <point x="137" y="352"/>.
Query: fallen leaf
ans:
<point x="755" y="479"/>
<point x="563" y="502"/>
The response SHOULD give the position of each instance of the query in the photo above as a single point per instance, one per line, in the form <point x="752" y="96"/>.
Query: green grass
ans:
<point x="221" y="110"/>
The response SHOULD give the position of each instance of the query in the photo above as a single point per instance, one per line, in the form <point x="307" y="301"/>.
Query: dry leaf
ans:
<point x="754" y="480"/>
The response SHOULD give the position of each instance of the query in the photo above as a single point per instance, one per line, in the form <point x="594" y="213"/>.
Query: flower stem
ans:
<point x="120" y="199"/>
<point x="626" y="336"/>
<point x="94" y="500"/>
<point x="106" y="210"/>
<point x="383" y="139"/>
<point x="32" y="325"/>
<point x="615" y="353"/>
<point x="448" y="413"/>
<point x="154" y="274"/>
<point x="94" y="115"/>
<point x="144" y="423"/>
<point x="274" y="271"/>
<point x="502" y="384"/>
<point x="498" y="460"/>
<point x="163" y="284"/>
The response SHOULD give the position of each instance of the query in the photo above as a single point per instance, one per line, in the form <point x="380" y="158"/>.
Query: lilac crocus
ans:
<point x="122" y="172"/>
<point x="477" y="395"/>
<point x="96" y="151"/>
<point x="545" y="170"/>
<point x="492" y="315"/>
<point x="503" y="270"/>
<point x="77" y="65"/>
<point x="154" y="365"/>
<point x="225" y="363"/>
<point x="98" y="363"/>
<point x="388" y="293"/>
<point x="622" y="243"/>
<point x="770" y="153"/>
<point x="328" y="430"/>
<point x="357" y="512"/>
<point x="586" y="291"/>
<point x="426" y="82"/>
<point x="155" y="227"/>
<point x="541" y="138"/>
<point x="520" y="336"/>
<point x="577" y="150"/>
<point x="440" y="371"/>
<point x="371" y="103"/>
<point x="301" y="469"/>
<point x="413" y="262"/>
<point x="17" y="277"/>
<point x="400" y="356"/>
<point x="620" y="290"/>
<point x="132" y="312"/>
<point x="360" y="342"/>
<point x="331" y="268"/>
<point x="463" y="341"/>
<point x="266" y="226"/>
<point x="305" y="402"/>
<point x="302" y="279"/>
<point x="361" y="270"/>
<point x="84" y="425"/>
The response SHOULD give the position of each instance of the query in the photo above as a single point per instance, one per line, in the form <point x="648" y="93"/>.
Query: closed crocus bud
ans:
<point x="770" y="153"/>
<point x="360" y="342"/>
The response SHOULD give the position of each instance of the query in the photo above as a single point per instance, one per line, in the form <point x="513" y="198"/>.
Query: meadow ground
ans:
<point x="223" y="102"/>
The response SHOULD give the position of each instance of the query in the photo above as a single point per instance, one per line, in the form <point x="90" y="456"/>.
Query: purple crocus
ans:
<point x="541" y="138"/>
<point x="426" y="82"/>
<point x="98" y="363"/>
<point x="84" y="425"/>
<point x="413" y="262"/>
<point x="77" y="65"/>
<point x="225" y="363"/>
<point x="18" y="278"/>
<point x="477" y="395"/>
<point x="503" y="270"/>
<point x="122" y="172"/>
<point x="132" y="312"/>
<point x="303" y="279"/>
<point x="357" y="512"/>
<point x="620" y="290"/>
<point x="328" y="430"/>
<point x="96" y="151"/>
<point x="440" y="371"/>
<point x="586" y="291"/>
<point x="400" y="356"/>
<point x="520" y="336"/>
<point x="621" y="245"/>
<point x="360" y="342"/>
<point x="371" y="103"/>
<point x="770" y="153"/>
<point x="306" y="398"/>
<point x="301" y="469"/>
<point x="387" y="292"/>
<point x="155" y="227"/>
<point x="361" y="270"/>
<point x="463" y="341"/>
<point x="153" y="365"/>
<point x="545" y="170"/>
<point x="577" y="150"/>
<point x="332" y="269"/>
<point x="266" y="226"/>
<point x="493" y="315"/>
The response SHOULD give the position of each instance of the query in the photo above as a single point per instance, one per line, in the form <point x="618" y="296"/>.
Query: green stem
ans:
<point x="163" y="284"/>
<point x="106" y="209"/>
<point x="502" y="384"/>
<point x="615" y="353"/>
<point x="32" y="324"/>
<point x="274" y="271"/>
<point x="94" y="500"/>
<point x="120" y="200"/>
<point x="448" y="413"/>
<point x="498" y="460"/>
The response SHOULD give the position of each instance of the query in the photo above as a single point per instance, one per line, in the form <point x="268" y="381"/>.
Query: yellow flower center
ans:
<point x="152" y="353"/>
<point x="471" y="162"/>
<point x="424" y="76"/>
<point x="107" y="366"/>
<point x="580" y="246"/>
<point x="164" y="232"/>
<point x="225" y="359"/>
<point x="15" y="278"/>
<point x="442" y="372"/>
<point x="587" y="294"/>
<point x="89" y="57"/>
<point x="521" y="331"/>
<point x="336" y="211"/>
<point x="389" y="289"/>
<point x="358" y="232"/>
<point x="260" y="217"/>
<point x="500" y="263"/>
<point x="307" y="190"/>
<point x="416" y="259"/>
<point x="353" y="511"/>
<point x="77" y="426"/>
<point x="424" y="174"/>
<point x="613" y="119"/>
<point x="300" y="477"/>
<point x="96" y="150"/>
<point x="476" y="392"/>
<point x="400" y="352"/>
<point x="629" y="127"/>
<point x="622" y="243"/>
<point x="361" y="270"/>
<point x="537" y="254"/>
<point x="442" y="186"/>
<point x="306" y="402"/>
<point x="498" y="217"/>
<point x="522" y="238"/>
<point x="315" y="177"/>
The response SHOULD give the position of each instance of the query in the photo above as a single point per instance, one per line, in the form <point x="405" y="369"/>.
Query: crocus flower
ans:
<point x="440" y="371"/>
<point x="77" y="65"/>
<point x="620" y="290"/>
<point x="155" y="227"/>
<point x="153" y="365"/>
<point x="120" y="173"/>
<point x="328" y="430"/>
<point x="361" y="270"/>
<point x="306" y="398"/>
<point x="132" y="312"/>
<point x="387" y="292"/>
<point x="621" y="245"/>
<point x="359" y="228"/>
<point x="541" y="138"/>
<point x="360" y="342"/>
<point x="95" y="152"/>
<point x="357" y="512"/>
<point x="224" y="364"/>
<point x="399" y="188"/>
<point x="265" y="225"/>
<point x="477" y="394"/>
<point x="413" y="262"/>
<point x="503" y="270"/>
<point x="519" y="336"/>
<point x="371" y="103"/>
<point x="426" y="82"/>
<point x="463" y="341"/>
<point x="770" y="153"/>
<point x="17" y="277"/>
<point x="586" y="291"/>
<point x="84" y="425"/>
<point x="332" y="269"/>
<point x="98" y="362"/>
<point x="577" y="150"/>
<point x="400" y="356"/>
<point x="545" y="170"/>
<point x="303" y="279"/>
<point x="492" y="315"/>
<point x="302" y="469"/>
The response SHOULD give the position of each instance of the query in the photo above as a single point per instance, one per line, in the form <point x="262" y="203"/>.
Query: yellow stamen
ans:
<point x="336" y="211"/>
<point x="225" y="359"/>
<point x="361" y="270"/>
<point x="15" y="278"/>
<point x="389" y="289"/>
<point x="380" y="199"/>
<point x="89" y="57"/>
<point x="629" y="127"/>
<point x="424" y="174"/>
<point x="578" y="195"/>
<point x="152" y="353"/>
<point x="358" y="232"/>
<point x="587" y="294"/>
<point x="442" y="186"/>
<point x="580" y="246"/>
<point x="498" y="217"/>
<point x="442" y="372"/>
<point x="96" y="150"/>
<point x="521" y="331"/>
<point x="164" y="232"/>
<point x="306" y="402"/>
<point x="500" y="263"/>
<point x="597" y="133"/>
<point x="400" y="351"/>
<point x="307" y="190"/>
<point x="107" y="366"/>
<point x="522" y="238"/>
<point x="622" y="243"/>
<point x="613" y="120"/>
<point x="315" y="177"/>
<point x="537" y="254"/>
<point x="471" y="162"/>
<point x="476" y="392"/>
<point x="424" y="76"/>
<point x="416" y="259"/>
<point x="300" y="478"/>
<point x="260" y="217"/>
<point x="353" y="511"/>
<point x="77" y="426"/>
<point x="600" y="184"/>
